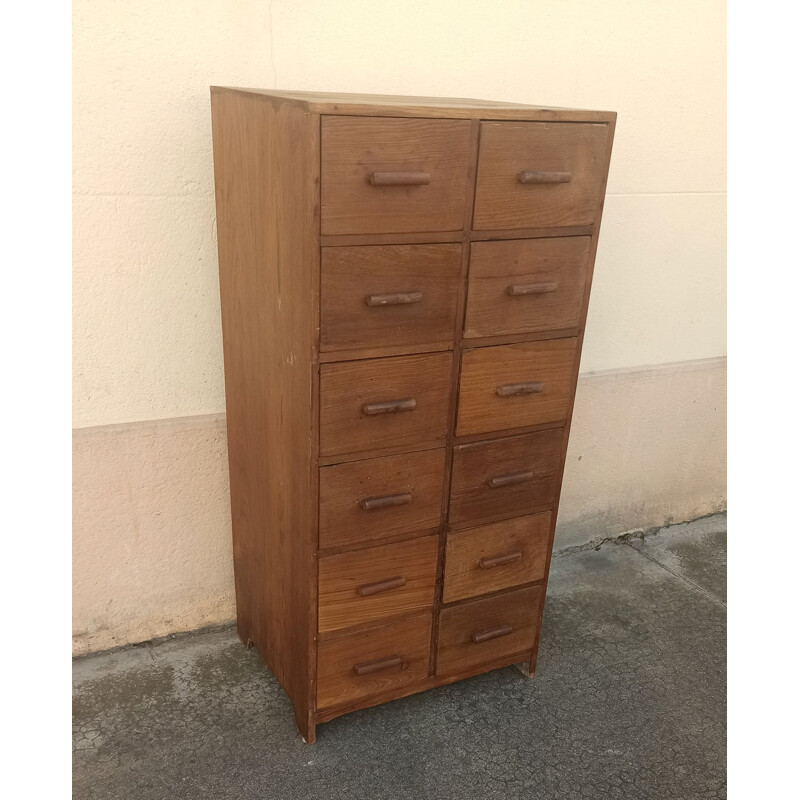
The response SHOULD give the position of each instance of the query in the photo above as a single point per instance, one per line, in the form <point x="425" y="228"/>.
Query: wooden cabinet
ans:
<point x="404" y="285"/>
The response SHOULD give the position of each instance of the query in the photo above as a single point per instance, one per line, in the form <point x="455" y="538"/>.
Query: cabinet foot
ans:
<point x="525" y="668"/>
<point x="307" y="727"/>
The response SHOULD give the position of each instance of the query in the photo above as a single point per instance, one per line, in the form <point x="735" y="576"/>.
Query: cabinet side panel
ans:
<point x="266" y="165"/>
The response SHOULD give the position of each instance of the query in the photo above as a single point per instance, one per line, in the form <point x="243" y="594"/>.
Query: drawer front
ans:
<point x="379" y="660"/>
<point x="376" y="583"/>
<point x="505" y="477"/>
<point x="515" y="385"/>
<point x="384" y="402"/>
<point x="380" y="497"/>
<point x="498" y="556"/>
<point x="526" y="285"/>
<point x="486" y="630"/>
<point x="539" y="174"/>
<point x="393" y="175"/>
<point x="393" y="295"/>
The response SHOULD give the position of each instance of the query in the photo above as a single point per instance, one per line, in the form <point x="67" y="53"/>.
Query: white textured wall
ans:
<point x="147" y="331"/>
<point x="147" y="340"/>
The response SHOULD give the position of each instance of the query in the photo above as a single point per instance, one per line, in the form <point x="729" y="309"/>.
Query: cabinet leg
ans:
<point x="525" y="668"/>
<point x="307" y="727"/>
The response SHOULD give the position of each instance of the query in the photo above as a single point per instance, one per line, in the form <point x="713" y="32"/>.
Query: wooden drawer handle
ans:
<point x="389" y="407"/>
<point x="381" y="586"/>
<point x="500" y="561"/>
<point x="393" y="299"/>
<point x="399" y="178"/>
<point x="511" y="479"/>
<point x="543" y="176"/>
<point x="521" y="289"/>
<point x="371" y="503"/>
<point x="368" y="667"/>
<point x="511" y="389"/>
<point x="491" y="633"/>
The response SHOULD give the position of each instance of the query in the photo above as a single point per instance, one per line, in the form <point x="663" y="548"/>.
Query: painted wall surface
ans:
<point x="152" y="543"/>
<point x="147" y="330"/>
<point x="147" y="335"/>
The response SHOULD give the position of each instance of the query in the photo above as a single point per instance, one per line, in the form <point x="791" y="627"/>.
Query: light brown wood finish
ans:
<point x="468" y="203"/>
<point x="514" y="338"/>
<point x="353" y="104"/>
<point x="510" y="150"/>
<point x="277" y="230"/>
<point x="444" y="237"/>
<point x="388" y="658"/>
<point x="376" y="583"/>
<point x="497" y="556"/>
<point x="515" y="385"/>
<point x="266" y="172"/>
<point x="475" y="495"/>
<point x="361" y="353"/>
<point x="486" y="629"/>
<point x="352" y="395"/>
<point x="526" y="285"/>
<point x="389" y="295"/>
<point x="353" y="150"/>
<point x="532" y="233"/>
<point x="376" y="239"/>
<point x="349" y="495"/>
<point x="431" y="682"/>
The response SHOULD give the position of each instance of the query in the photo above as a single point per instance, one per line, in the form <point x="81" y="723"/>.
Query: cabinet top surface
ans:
<point x="412" y="106"/>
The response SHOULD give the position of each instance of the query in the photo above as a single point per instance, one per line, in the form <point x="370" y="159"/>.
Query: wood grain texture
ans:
<point x="341" y="576"/>
<point x="510" y="148"/>
<point x="356" y="279"/>
<point x="461" y="625"/>
<point x="354" y="148"/>
<point x="266" y="172"/>
<point x="513" y="338"/>
<point x="352" y="104"/>
<point x="473" y="500"/>
<point x="337" y="680"/>
<point x="483" y="560"/>
<point x="531" y="233"/>
<point x="484" y="371"/>
<point x="468" y="203"/>
<point x="423" y="237"/>
<point x="431" y="682"/>
<point x="344" y="488"/>
<point x="525" y="285"/>
<point x="361" y="353"/>
<point x="584" y="312"/>
<point x="347" y="387"/>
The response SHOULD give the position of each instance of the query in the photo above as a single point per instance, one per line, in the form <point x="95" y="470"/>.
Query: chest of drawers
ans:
<point x="404" y="286"/>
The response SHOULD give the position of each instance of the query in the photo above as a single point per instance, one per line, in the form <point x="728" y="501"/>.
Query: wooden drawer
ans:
<point x="515" y="385"/>
<point x="486" y="630"/>
<point x="498" y="556"/>
<point x="392" y="295"/>
<point x="378" y="660"/>
<point x="379" y="582"/>
<point x="539" y="174"/>
<point x="393" y="175"/>
<point x="505" y="477"/>
<point x="526" y="285"/>
<point x="384" y="402"/>
<point x="380" y="497"/>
